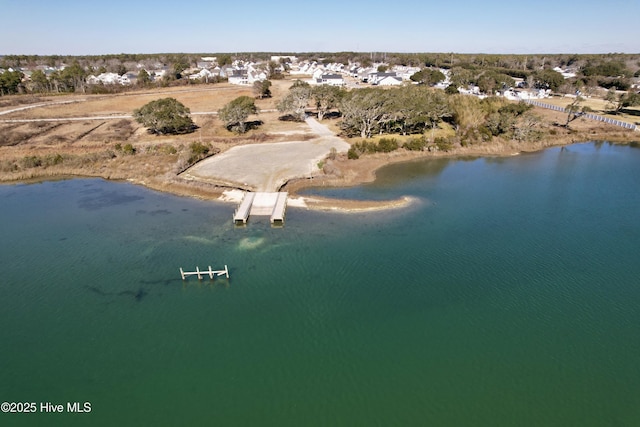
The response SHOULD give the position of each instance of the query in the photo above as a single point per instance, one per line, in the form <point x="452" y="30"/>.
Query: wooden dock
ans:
<point x="241" y="215"/>
<point x="200" y="273"/>
<point x="262" y="204"/>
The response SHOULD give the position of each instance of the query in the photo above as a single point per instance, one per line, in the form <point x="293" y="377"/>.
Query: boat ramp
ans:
<point x="273" y="205"/>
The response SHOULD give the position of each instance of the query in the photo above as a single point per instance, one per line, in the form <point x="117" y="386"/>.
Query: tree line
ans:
<point x="488" y="72"/>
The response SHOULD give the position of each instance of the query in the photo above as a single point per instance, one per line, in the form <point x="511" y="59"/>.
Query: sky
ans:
<point x="72" y="27"/>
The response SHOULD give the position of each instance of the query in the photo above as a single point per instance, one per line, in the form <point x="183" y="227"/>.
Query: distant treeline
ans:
<point x="610" y="64"/>
<point x="488" y="71"/>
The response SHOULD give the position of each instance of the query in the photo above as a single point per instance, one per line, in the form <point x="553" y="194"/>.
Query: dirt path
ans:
<point x="267" y="167"/>
<point x="43" y="104"/>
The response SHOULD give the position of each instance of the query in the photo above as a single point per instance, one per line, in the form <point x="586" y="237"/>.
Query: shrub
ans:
<point x="387" y="145"/>
<point x="198" y="151"/>
<point x="29" y="162"/>
<point x="443" y="144"/>
<point x="52" y="160"/>
<point x="129" y="150"/>
<point x="168" y="149"/>
<point x="415" y="144"/>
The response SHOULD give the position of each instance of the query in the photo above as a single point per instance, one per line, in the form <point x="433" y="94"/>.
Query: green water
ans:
<point x="509" y="295"/>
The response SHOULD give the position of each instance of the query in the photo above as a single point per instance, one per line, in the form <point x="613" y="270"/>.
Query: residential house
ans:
<point x="246" y="76"/>
<point x="405" y="72"/>
<point x="239" y="77"/>
<point x="390" y="81"/>
<point x="205" y="65"/>
<point x="329" y="79"/>
<point x="109" y="79"/>
<point x="384" y="79"/>
<point x="567" y="74"/>
<point x="203" y="74"/>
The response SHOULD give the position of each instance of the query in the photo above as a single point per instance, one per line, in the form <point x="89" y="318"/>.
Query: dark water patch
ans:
<point x="97" y="290"/>
<point x="106" y="199"/>
<point x="137" y="295"/>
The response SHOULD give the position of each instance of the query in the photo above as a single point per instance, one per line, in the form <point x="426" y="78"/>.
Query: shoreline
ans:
<point x="354" y="173"/>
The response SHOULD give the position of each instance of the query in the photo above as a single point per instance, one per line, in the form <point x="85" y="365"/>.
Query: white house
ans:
<point x="405" y="72"/>
<point x="567" y="74"/>
<point x="384" y="79"/>
<point x="205" y="64"/>
<point x="329" y="79"/>
<point x="389" y="81"/>
<point x="246" y="76"/>
<point x="517" y="95"/>
<point x="109" y="79"/>
<point x="203" y="74"/>
<point x="239" y="77"/>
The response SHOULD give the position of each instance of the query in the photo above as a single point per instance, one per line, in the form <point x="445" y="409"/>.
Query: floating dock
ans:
<point x="200" y="273"/>
<point x="272" y="205"/>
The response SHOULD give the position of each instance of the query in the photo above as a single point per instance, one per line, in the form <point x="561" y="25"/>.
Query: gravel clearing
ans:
<point x="267" y="167"/>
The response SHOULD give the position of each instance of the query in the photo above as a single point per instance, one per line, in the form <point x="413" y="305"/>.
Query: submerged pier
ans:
<point x="200" y="273"/>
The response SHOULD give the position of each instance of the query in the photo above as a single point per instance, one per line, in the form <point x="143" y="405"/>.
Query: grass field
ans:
<point x="600" y="107"/>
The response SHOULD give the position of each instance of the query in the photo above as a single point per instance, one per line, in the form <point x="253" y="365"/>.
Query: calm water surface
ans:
<point x="508" y="295"/>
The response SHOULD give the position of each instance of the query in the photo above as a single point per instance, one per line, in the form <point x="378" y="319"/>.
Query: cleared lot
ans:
<point x="266" y="167"/>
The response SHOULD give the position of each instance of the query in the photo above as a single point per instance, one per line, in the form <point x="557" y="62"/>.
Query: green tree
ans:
<point x="460" y="77"/>
<point x="428" y="76"/>
<point x="121" y="69"/>
<point x="180" y="63"/>
<point x="451" y="89"/>
<point x="165" y="116"/>
<point x="362" y="111"/>
<point x="72" y="78"/>
<point x="39" y="81"/>
<point x="143" y="78"/>
<point x="235" y="113"/>
<point x="224" y="59"/>
<point x="326" y="98"/>
<point x="490" y="81"/>
<point x="297" y="100"/>
<point x="618" y="102"/>
<point x="262" y="89"/>
<point x="10" y="82"/>
<point x="548" y="79"/>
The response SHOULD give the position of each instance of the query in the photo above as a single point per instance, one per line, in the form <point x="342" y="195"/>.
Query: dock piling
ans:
<point x="200" y="273"/>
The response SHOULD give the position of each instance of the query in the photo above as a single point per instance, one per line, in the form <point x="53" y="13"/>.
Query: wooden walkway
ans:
<point x="262" y="204"/>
